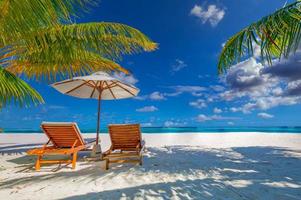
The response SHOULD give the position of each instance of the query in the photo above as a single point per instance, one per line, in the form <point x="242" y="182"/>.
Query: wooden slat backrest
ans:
<point x="125" y="136"/>
<point x="63" y="135"/>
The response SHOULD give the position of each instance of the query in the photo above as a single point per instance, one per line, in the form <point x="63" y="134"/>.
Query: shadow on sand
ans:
<point x="17" y="148"/>
<point x="12" y="148"/>
<point x="186" y="173"/>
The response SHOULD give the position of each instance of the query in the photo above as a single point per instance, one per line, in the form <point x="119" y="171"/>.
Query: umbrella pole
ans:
<point x="98" y="118"/>
<point x="96" y="148"/>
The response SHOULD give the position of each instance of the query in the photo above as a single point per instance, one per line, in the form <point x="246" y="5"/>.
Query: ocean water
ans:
<point x="284" y="129"/>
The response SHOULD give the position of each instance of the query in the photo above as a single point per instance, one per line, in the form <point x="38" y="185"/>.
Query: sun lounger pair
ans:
<point x="66" y="139"/>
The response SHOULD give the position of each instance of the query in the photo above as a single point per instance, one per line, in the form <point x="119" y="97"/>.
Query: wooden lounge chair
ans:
<point x="65" y="139"/>
<point x="127" y="144"/>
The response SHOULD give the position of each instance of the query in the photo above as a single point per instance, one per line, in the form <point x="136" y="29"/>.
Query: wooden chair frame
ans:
<point x="55" y="149"/>
<point x="124" y="155"/>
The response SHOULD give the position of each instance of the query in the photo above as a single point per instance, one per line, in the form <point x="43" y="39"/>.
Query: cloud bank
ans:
<point x="263" y="87"/>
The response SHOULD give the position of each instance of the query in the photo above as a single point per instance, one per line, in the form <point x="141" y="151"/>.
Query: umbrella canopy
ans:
<point x="99" y="85"/>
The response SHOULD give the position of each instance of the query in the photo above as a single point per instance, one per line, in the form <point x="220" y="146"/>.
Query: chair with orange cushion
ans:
<point x="126" y="144"/>
<point x="64" y="139"/>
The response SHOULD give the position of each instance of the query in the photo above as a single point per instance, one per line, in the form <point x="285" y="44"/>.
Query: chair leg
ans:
<point x="38" y="163"/>
<point x="107" y="161"/>
<point x="74" y="160"/>
<point x="140" y="160"/>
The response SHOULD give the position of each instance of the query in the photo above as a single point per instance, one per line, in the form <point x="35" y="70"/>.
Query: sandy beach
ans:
<point x="176" y="166"/>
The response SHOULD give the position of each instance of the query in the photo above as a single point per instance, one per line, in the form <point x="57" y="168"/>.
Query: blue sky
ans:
<point x="179" y="82"/>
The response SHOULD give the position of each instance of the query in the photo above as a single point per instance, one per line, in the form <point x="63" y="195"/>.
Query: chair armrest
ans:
<point x="45" y="145"/>
<point x="39" y="150"/>
<point x="75" y="142"/>
<point x="79" y="148"/>
<point x="107" y="151"/>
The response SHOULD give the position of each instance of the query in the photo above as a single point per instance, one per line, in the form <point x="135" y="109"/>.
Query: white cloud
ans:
<point x="288" y="69"/>
<point x="217" y="110"/>
<point x="168" y="123"/>
<point x="126" y="78"/>
<point x="277" y="91"/>
<point x="217" y="88"/>
<point x="156" y="96"/>
<point x="219" y="117"/>
<point x="246" y="77"/>
<point x="234" y="109"/>
<point x="178" y="65"/>
<point x="262" y="87"/>
<point x="293" y="88"/>
<point x="203" y="118"/>
<point x="192" y="89"/>
<point x="265" y="115"/>
<point x="251" y="86"/>
<point x="147" y="109"/>
<point x="172" y="123"/>
<point x="177" y="90"/>
<point x="212" y="15"/>
<point x="200" y="103"/>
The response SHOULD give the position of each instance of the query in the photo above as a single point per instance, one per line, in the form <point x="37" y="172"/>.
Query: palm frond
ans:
<point x="55" y="66"/>
<point x="18" y="17"/>
<point x="110" y="40"/>
<point x="278" y="35"/>
<point x="39" y="40"/>
<point x="77" y="49"/>
<point x="13" y="89"/>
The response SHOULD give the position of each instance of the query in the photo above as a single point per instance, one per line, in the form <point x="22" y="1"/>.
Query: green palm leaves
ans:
<point x="278" y="35"/>
<point x="39" y="40"/>
<point x="18" y="17"/>
<point x="77" y="49"/>
<point x="13" y="89"/>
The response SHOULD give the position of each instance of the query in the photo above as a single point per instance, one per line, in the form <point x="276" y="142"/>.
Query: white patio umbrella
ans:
<point x="99" y="85"/>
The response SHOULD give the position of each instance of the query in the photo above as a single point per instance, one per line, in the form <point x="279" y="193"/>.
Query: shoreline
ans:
<point x="163" y="133"/>
<point x="173" y="132"/>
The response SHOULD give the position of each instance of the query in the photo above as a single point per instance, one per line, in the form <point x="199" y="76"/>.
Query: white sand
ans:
<point x="176" y="166"/>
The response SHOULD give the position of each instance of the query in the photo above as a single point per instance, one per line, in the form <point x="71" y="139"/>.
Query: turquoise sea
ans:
<point x="283" y="129"/>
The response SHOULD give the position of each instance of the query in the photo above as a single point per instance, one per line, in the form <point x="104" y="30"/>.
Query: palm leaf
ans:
<point x="39" y="40"/>
<point x="58" y="66"/>
<point x="278" y="35"/>
<point x="18" y="17"/>
<point x="13" y="89"/>
<point x="111" y="40"/>
<point x="76" y="49"/>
